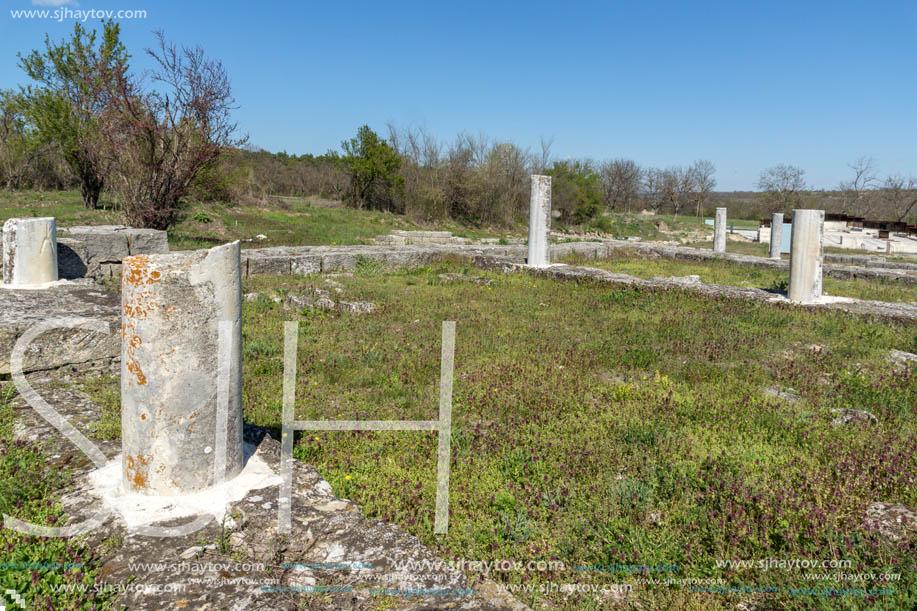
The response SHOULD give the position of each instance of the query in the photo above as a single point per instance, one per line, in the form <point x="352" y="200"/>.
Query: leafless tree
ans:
<point x="783" y="183"/>
<point x="654" y="188"/>
<point x="16" y="153"/>
<point x="543" y="161"/>
<point x="156" y="139"/>
<point x="684" y="187"/>
<point x="900" y="195"/>
<point x="859" y="192"/>
<point x="704" y="183"/>
<point x="424" y="189"/>
<point x="620" y="183"/>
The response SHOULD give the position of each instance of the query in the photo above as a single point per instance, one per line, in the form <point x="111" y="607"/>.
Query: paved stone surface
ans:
<point x="326" y="530"/>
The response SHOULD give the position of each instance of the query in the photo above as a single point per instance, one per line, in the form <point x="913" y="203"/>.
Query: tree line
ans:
<point x="480" y="180"/>
<point x="157" y="139"/>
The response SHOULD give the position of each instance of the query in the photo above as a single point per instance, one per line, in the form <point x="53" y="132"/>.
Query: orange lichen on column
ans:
<point x="136" y="305"/>
<point x="135" y="467"/>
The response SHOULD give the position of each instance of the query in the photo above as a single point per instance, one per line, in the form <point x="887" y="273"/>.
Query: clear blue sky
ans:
<point x="744" y="84"/>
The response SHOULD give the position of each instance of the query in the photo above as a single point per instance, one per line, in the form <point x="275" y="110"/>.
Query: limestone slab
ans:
<point x="20" y="309"/>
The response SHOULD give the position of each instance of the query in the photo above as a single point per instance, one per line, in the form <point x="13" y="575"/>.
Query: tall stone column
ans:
<point x="776" y="234"/>
<point x="806" y="255"/>
<point x="719" y="230"/>
<point x="29" y="251"/>
<point x="539" y="220"/>
<point x="179" y="418"/>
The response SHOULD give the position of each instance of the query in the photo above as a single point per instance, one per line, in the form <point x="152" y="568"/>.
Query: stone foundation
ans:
<point x="21" y="309"/>
<point x="404" y="238"/>
<point x="325" y="530"/>
<point x="97" y="252"/>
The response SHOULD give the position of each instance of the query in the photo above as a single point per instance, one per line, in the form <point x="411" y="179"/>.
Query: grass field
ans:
<point x="735" y="274"/>
<point x="757" y="249"/>
<point x="293" y="222"/>
<point x="600" y="426"/>
<point x="29" y="491"/>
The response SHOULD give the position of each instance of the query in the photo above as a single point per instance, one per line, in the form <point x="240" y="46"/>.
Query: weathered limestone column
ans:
<point x="776" y="234"/>
<point x="719" y="230"/>
<point x="29" y="251"/>
<point x="806" y="255"/>
<point x="171" y="420"/>
<point x="539" y="220"/>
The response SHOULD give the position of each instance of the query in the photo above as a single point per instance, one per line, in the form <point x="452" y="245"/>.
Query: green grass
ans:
<point x="762" y="249"/>
<point x="757" y="249"/>
<point x="900" y="258"/>
<point x="600" y="425"/>
<point x="735" y="274"/>
<point x="647" y="227"/>
<point x="294" y="222"/>
<point x="29" y="491"/>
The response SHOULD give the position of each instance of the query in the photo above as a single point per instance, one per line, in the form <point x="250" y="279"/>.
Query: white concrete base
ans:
<point x="818" y="300"/>
<point x="139" y="510"/>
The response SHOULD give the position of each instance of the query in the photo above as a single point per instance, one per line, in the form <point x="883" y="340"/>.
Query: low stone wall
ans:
<point x="844" y="272"/>
<point x="403" y="238"/>
<point x="323" y="259"/>
<point x="894" y="312"/>
<point x="18" y="309"/>
<point x="303" y="260"/>
<point x="865" y="261"/>
<point x="97" y="252"/>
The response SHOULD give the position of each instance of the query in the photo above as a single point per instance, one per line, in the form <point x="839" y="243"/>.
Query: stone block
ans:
<point x="20" y="309"/>
<point x="269" y="265"/>
<point x="338" y="261"/>
<point x="306" y="264"/>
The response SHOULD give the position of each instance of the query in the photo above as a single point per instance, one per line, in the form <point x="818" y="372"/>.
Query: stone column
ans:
<point x="173" y="430"/>
<point x="719" y="231"/>
<point x="29" y="251"/>
<point x="806" y="255"/>
<point x="776" y="234"/>
<point x="539" y="220"/>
